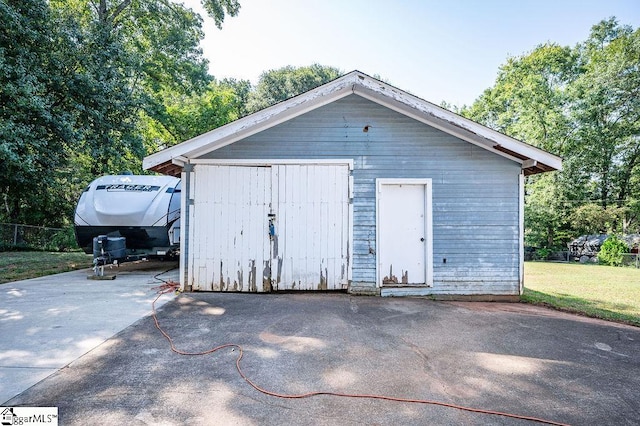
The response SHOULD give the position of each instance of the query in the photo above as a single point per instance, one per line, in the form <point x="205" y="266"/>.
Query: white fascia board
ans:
<point x="179" y="161"/>
<point x="160" y="157"/>
<point x="451" y="123"/>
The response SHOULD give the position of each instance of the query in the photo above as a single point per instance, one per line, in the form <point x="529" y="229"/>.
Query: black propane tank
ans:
<point x="108" y="249"/>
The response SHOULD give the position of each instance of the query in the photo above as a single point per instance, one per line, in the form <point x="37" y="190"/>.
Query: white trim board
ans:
<point x="270" y="162"/>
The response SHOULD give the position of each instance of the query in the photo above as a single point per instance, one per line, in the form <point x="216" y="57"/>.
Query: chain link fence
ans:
<point x="15" y="236"/>
<point x="631" y="259"/>
<point x="628" y="259"/>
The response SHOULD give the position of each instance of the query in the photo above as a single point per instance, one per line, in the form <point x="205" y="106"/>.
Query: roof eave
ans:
<point x="458" y="126"/>
<point x="369" y="88"/>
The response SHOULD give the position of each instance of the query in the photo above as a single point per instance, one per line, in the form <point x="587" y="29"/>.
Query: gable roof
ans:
<point x="533" y="160"/>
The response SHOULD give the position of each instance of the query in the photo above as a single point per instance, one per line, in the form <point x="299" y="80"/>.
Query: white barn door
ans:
<point x="263" y="228"/>
<point x="228" y="241"/>
<point x="311" y="227"/>
<point x="404" y="232"/>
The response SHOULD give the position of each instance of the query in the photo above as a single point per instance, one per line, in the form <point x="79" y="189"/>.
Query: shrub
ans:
<point x="63" y="240"/>
<point x="612" y="250"/>
<point x="543" y="253"/>
<point x="4" y="246"/>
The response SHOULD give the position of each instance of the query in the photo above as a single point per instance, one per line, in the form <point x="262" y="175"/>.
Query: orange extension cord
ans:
<point x="170" y="286"/>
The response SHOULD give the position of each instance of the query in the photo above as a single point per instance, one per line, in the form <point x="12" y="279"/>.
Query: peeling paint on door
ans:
<point x="252" y="276"/>
<point x="312" y="225"/>
<point x="390" y="279"/>
<point x="279" y="274"/>
<point x="274" y="250"/>
<point x="286" y="219"/>
<point x="266" y="276"/>
<point x="239" y="284"/>
<point x="227" y="235"/>
<point x="323" y="279"/>
<point x="221" y="288"/>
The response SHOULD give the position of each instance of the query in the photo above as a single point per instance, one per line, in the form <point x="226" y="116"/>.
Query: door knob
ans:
<point x="422" y="239"/>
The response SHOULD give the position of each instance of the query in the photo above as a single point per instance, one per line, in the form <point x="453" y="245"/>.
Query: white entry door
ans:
<point x="263" y="228"/>
<point x="404" y="232"/>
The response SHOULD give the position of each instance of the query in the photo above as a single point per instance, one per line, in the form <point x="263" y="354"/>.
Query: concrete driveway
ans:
<point x="511" y="358"/>
<point x="46" y="323"/>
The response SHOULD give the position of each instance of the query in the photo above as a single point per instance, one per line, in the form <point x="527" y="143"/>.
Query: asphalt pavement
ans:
<point x="509" y="358"/>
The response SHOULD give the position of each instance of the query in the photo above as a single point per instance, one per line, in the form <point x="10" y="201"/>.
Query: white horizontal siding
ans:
<point x="475" y="192"/>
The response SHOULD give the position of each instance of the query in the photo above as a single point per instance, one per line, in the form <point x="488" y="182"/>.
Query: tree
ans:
<point x="592" y="218"/>
<point x="36" y="125"/>
<point x="133" y="53"/>
<point x="606" y="109"/>
<point x="581" y="103"/>
<point x="218" y="9"/>
<point x="529" y="101"/>
<point x="189" y="115"/>
<point x="529" y="98"/>
<point x="242" y="90"/>
<point x="80" y="80"/>
<point x="278" y="85"/>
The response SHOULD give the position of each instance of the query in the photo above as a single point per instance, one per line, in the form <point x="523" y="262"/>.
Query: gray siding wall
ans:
<point x="475" y="192"/>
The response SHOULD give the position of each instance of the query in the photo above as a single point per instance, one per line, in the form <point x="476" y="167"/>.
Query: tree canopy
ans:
<point x="278" y="85"/>
<point x="88" y="87"/>
<point x="581" y="103"/>
<point x="36" y="117"/>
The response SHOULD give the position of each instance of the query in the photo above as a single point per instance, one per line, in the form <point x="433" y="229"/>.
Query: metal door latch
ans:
<point x="272" y="226"/>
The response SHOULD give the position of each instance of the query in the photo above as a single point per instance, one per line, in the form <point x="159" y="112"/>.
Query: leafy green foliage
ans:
<point x="64" y="240"/>
<point x="185" y="116"/>
<point x="88" y="88"/>
<point x="607" y="111"/>
<point x="612" y="250"/>
<point x="218" y="8"/>
<point x="529" y="98"/>
<point x="543" y="253"/>
<point x="36" y="126"/>
<point x="582" y="103"/>
<point x="592" y="218"/>
<point x="544" y="213"/>
<point x="278" y="85"/>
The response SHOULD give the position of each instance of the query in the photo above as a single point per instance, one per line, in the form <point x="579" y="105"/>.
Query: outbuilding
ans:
<point x="358" y="186"/>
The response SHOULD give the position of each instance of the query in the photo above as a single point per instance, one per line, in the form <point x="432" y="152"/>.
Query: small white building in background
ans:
<point x="358" y="186"/>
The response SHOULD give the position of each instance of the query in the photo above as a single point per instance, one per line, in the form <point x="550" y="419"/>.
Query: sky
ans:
<point x="447" y="50"/>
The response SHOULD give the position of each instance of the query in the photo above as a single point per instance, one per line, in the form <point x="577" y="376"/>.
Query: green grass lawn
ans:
<point x="597" y="291"/>
<point x="20" y="265"/>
